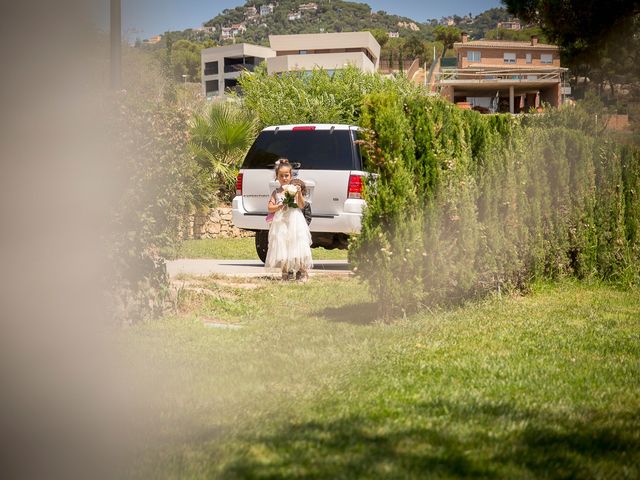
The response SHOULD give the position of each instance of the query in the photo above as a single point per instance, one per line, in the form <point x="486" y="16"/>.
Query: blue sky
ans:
<point x="145" y="18"/>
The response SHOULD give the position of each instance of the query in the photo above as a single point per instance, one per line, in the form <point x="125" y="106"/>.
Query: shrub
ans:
<point x="313" y="97"/>
<point x="493" y="203"/>
<point x="383" y="249"/>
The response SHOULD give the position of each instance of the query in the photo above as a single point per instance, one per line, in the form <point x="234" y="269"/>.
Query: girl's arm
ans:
<point x="273" y="206"/>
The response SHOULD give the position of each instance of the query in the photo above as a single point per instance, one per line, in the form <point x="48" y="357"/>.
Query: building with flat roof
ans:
<point x="510" y="25"/>
<point x="330" y="51"/>
<point x="152" y="40"/>
<point x="266" y="9"/>
<point x="509" y="76"/>
<point x="308" y="6"/>
<point x="221" y="66"/>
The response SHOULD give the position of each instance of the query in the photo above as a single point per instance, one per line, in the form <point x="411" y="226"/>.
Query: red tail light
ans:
<point x="239" y="184"/>
<point x="304" y="127"/>
<point x="355" y="186"/>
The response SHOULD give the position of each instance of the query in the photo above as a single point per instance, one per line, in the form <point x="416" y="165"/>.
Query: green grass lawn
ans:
<point x="241" y="249"/>
<point x="313" y="385"/>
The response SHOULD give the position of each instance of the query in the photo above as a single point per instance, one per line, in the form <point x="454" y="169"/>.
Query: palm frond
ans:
<point x="219" y="138"/>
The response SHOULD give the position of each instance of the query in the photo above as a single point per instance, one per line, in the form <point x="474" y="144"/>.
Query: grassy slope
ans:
<point x="314" y="387"/>
<point x="241" y="249"/>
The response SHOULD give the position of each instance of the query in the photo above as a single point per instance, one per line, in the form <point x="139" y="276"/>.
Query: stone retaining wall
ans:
<point x="215" y="223"/>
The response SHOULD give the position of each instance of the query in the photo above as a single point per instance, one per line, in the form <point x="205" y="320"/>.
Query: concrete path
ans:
<point x="246" y="268"/>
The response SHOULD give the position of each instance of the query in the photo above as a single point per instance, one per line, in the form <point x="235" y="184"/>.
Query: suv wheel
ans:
<point x="262" y="244"/>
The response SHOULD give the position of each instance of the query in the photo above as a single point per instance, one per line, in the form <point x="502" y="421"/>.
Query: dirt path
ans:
<point x="246" y="268"/>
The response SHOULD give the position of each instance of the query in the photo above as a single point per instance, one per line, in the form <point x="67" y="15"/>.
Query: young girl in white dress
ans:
<point x="289" y="236"/>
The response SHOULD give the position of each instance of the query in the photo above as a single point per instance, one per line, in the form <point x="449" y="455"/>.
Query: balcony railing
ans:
<point x="449" y="62"/>
<point x="498" y="75"/>
<point x="238" y="67"/>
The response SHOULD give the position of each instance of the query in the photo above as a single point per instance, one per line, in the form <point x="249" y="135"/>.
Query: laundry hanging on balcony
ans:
<point x="495" y="101"/>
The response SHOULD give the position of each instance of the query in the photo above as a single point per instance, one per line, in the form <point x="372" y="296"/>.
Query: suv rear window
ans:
<point x="312" y="149"/>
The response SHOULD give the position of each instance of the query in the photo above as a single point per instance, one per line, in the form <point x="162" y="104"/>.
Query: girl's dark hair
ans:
<point x="282" y="163"/>
<point x="301" y="184"/>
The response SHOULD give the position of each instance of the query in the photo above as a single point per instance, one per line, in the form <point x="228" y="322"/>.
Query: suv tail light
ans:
<point x="355" y="186"/>
<point x="304" y="127"/>
<point x="239" y="185"/>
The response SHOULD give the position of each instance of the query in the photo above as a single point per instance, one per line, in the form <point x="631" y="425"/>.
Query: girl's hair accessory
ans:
<point x="280" y="163"/>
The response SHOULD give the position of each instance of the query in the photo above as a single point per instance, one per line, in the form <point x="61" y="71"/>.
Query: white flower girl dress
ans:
<point x="289" y="240"/>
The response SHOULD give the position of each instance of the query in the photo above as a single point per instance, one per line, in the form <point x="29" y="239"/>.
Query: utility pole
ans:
<point x="116" y="44"/>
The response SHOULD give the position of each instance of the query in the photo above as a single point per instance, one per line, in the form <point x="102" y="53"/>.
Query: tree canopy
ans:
<point x="447" y="35"/>
<point x="579" y="26"/>
<point x="599" y="42"/>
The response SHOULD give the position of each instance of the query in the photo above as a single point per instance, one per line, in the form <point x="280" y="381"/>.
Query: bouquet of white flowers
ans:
<point x="290" y="192"/>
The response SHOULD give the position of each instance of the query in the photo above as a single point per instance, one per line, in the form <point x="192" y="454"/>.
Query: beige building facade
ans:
<point x="330" y="51"/>
<point x="504" y="76"/>
<point x="221" y="66"/>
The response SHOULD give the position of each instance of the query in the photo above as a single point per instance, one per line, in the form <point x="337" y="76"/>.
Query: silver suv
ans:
<point x="327" y="158"/>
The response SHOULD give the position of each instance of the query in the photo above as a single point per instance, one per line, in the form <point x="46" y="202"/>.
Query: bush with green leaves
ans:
<point x="464" y="203"/>
<point x="317" y="96"/>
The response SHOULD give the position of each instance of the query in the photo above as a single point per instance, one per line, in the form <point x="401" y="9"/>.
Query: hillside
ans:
<point x="245" y="24"/>
<point x="402" y="39"/>
<point x="288" y="17"/>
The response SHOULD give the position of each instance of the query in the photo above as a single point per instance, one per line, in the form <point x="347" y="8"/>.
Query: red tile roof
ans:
<point x="503" y="44"/>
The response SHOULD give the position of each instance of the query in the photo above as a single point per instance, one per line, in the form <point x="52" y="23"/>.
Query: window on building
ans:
<point x="211" y="88"/>
<point x="211" y="68"/>
<point x="473" y="56"/>
<point x="302" y="52"/>
<point x="253" y="60"/>
<point x="231" y="85"/>
<point x="546" y="58"/>
<point x="509" y="57"/>
<point x="528" y="58"/>
<point x="235" y="64"/>
<point x="250" y="63"/>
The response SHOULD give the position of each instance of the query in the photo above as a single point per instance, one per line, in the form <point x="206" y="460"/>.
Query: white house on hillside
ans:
<point x="266" y="10"/>
<point x="308" y="6"/>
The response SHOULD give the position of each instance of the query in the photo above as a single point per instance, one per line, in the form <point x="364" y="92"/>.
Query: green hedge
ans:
<point x="317" y="96"/>
<point x="464" y="203"/>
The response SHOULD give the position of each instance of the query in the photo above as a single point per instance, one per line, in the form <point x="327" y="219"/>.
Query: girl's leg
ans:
<point x="302" y="275"/>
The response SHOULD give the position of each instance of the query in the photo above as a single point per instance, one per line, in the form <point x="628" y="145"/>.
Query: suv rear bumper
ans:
<point x="349" y="221"/>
